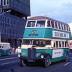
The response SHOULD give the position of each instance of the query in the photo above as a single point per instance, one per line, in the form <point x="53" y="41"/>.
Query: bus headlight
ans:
<point x="42" y="56"/>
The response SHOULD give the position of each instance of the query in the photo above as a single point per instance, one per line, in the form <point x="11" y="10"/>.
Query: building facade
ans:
<point x="13" y="15"/>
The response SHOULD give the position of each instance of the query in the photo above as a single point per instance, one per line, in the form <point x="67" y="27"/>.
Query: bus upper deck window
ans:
<point x="31" y="24"/>
<point x="56" y="26"/>
<point x="52" y="23"/>
<point x="59" y="25"/>
<point x="40" y="24"/>
<point x="48" y="24"/>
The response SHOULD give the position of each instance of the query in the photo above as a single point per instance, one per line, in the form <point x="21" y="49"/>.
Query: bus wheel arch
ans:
<point x="47" y="60"/>
<point x="22" y="62"/>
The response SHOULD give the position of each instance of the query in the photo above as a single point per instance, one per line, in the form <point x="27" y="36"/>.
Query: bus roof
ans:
<point x="43" y="18"/>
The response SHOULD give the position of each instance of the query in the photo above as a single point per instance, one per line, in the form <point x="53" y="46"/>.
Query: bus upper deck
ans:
<point x="46" y="28"/>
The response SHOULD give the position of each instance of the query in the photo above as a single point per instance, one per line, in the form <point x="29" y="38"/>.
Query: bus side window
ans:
<point x="2" y="46"/>
<point x="54" y="45"/>
<point x="55" y="24"/>
<point x="57" y="44"/>
<point x="66" y="44"/>
<point x="63" y="44"/>
<point x="48" y="24"/>
<point x="48" y="42"/>
<point x="52" y="23"/>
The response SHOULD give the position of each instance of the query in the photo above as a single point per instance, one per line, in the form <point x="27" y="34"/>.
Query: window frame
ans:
<point x="27" y="24"/>
<point x="52" y="23"/>
<point x="35" y="24"/>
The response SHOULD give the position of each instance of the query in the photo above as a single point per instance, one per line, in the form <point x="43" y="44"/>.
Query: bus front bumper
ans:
<point x="25" y="59"/>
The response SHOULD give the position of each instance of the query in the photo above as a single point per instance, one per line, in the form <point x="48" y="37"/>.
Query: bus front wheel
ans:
<point x="47" y="62"/>
<point x="21" y="63"/>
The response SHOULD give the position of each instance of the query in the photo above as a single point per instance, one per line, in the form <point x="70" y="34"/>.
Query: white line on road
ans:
<point x="9" y="62"/>
<point x="67" y="63"/>
<point x="8" y="58"/>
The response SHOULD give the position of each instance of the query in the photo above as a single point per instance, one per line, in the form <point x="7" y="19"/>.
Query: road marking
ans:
<point x="9" y="62"/>
<point x="70" y="53"/>
<point x="67" y="63"/>
<point x="8" y="58"/>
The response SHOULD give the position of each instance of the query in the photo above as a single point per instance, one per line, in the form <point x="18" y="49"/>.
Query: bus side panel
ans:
<point x="34" y="33"/>
<point x="48" y="33"/>
<point x="49" y="51"/>
<point x="65" y="53"/>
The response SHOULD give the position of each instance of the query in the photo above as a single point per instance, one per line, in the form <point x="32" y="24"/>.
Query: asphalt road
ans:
<point x="8" y="60"/>
<point x="54" y="67"/>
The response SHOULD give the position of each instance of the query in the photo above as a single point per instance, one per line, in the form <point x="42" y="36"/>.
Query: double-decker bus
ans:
<point x="45" y="41"/>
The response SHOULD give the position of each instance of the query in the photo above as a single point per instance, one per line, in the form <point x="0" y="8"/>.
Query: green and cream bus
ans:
<point x="45" y="40"/>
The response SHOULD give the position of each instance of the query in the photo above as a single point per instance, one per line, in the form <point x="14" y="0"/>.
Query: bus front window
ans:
<point x="31" y="24"/>
<point x="40" y="43"/>
<point x="40" y="24"/>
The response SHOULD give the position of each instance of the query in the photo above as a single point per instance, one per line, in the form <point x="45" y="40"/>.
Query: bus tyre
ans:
<point x="21" y="63"/>
<point x="47" y="62"/>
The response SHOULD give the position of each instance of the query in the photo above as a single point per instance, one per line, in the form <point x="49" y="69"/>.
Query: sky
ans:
<point x="57" y="9"/>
